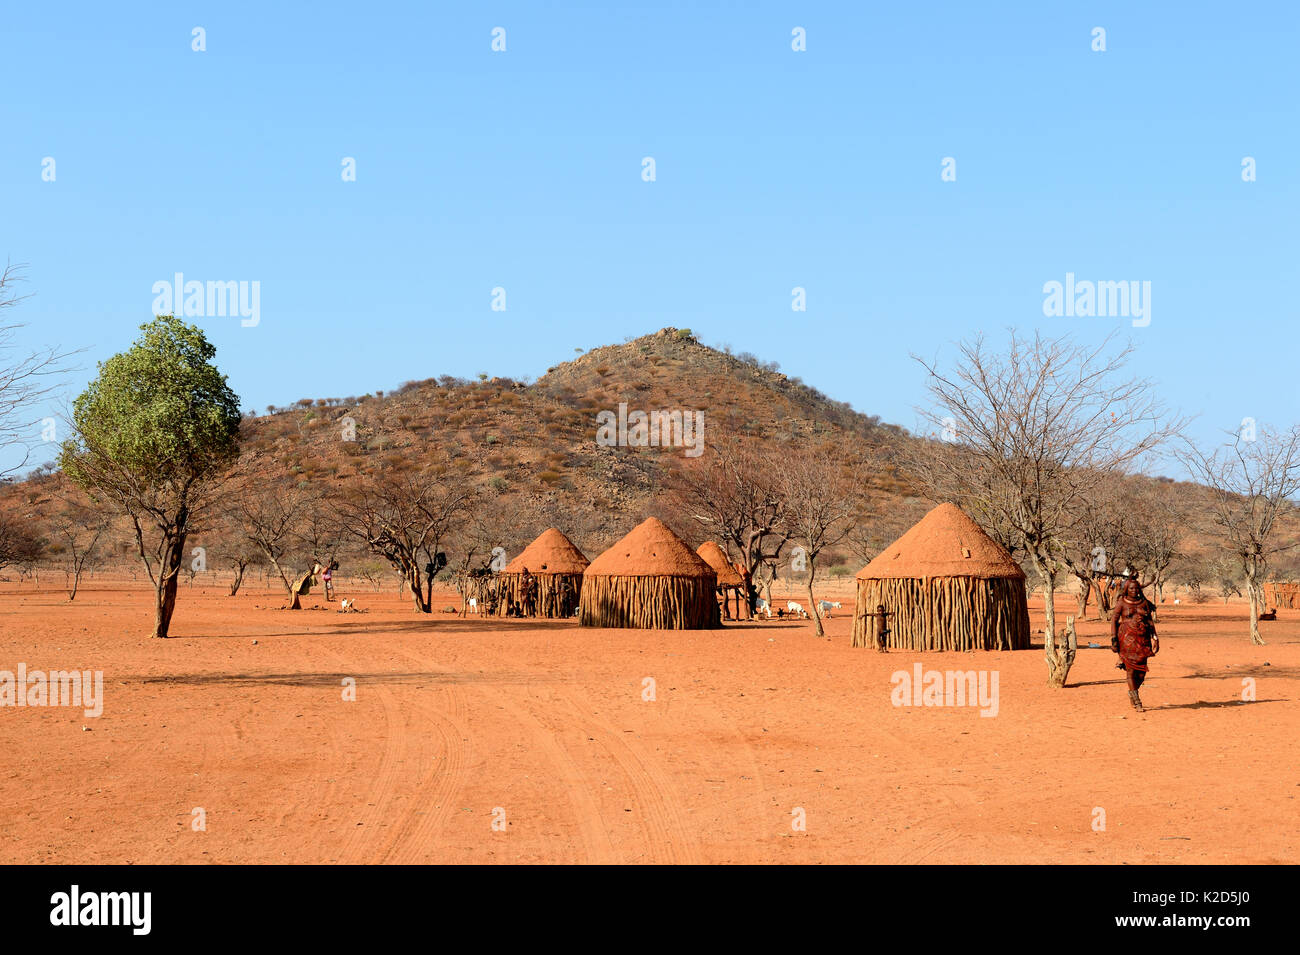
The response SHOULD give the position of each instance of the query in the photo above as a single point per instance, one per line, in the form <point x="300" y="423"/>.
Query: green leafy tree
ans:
<point x="154" y="436"/>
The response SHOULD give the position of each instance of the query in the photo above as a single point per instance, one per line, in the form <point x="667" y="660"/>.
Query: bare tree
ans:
<point x="26" y="378"/>
<point x="489" y="525"/>
<point x="240" y="555"/>
<point x="1036" y="431"/>
<point x="20" y="545"/>
<point x="1155" y="535"/>
<point x="732" y="492"/>
<point x="403" y="516"/>
<point x="268" y="514"/>
<point x="231" y="545"/>
<point x="78" y="528"/>
<point x="1092" y="545"/>
<point x="1226" y="573"/>
<point x="1253" y="483"/>
<point x="819" y="504"/>
<point x="1124" y="529"/>
<point x="320" y="531"/>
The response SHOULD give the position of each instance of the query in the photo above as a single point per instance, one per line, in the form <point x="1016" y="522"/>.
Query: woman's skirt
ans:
<point x="1134" y="647"/>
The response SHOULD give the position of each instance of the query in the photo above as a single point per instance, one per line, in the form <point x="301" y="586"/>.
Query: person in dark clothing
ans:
<point x="1133" y="637"/>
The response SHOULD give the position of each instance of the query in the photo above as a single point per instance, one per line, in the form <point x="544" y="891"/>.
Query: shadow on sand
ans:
<point x="334" y="679"/>
<point x="1209" y="705"/>
<point x="431" y="625"/>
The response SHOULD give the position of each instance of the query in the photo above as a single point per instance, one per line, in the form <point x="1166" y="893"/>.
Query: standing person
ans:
<point x="1133" y="637"/>
<point x="327" y="579"/>
<point x="529" y="593"/>
<point x="564" y="598"/>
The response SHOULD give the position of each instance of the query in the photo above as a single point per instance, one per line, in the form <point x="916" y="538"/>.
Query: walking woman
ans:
<point x="1133" y="637"/>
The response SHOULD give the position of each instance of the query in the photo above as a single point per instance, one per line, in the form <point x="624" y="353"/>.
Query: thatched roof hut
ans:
<point x="651" y="579"/>
<point x="729" y="579"/>
<point x="1283" y="594"/>
<point x="556" y="567"/>
<point x="945" y="585"/>
<point x="712" y="555"/>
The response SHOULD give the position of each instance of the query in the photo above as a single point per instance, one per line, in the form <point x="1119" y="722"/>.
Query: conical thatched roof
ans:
<point x="650" y="550"/>
<point x="551" y="553"/>
<point x="944" y="543"/>
<point x="712" y="554"/>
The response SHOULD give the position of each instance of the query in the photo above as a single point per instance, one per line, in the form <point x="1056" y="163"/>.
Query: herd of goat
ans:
<point x="795" y="609"/>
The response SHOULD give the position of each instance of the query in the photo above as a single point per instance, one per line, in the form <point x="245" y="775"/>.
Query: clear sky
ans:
<point x="774" y="169"/>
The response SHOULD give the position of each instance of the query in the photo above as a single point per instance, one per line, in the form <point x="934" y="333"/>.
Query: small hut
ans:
<point x="729" y="580"/>
<point x="652" y="580"/>
<point x="555" y="566"/>
<point x="944" y="585"/>
<point x="1282" y="594"/>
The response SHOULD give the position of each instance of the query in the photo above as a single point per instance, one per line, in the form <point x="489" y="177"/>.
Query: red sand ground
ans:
<point x="454" y="718"/>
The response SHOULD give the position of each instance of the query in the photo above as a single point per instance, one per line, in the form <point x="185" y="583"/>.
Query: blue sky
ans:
<point x="775" y="169"/>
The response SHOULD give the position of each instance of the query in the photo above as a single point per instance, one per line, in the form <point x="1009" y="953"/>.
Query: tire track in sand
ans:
<point x="578" y="787"/>
<point x="669" y="837"/>
<point x="382" y="789"/>
<point x="672" y="839"/>
<point x="402" y="745"/>
<point x="446" y="777"/>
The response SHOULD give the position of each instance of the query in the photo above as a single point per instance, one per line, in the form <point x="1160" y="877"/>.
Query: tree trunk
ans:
<point x="1057" y="666"/>
<point x="1103" y="598"/>
<point x="1060" y="660"/>
<point x="168" y="578"/>
<point x="290" y="587"/>
<point x="1085" y="591"/>
<point x="239" y="579"/>
<point x="1253" y="595"/>
<point x="1049" y="604"/>
<point x="422" y="603"/>
<point x="812" y="601"/>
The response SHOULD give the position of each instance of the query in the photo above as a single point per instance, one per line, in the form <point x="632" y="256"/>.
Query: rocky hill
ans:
<point x="537" y="442"/>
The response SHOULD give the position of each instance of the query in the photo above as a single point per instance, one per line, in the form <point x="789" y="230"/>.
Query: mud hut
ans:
<point x="555" y="565"/>
<point x="730" y="583"/>
<point x="651" y="579"/>
<point x="944" y="585"/>
<point x="1283" y="594"/>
